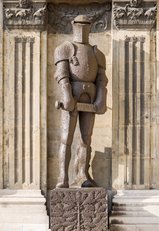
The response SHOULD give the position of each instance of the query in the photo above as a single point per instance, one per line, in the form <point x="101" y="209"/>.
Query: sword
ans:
<point x="86" y="107"/>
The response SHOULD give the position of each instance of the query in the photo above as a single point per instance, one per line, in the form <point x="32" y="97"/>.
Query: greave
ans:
<point x="83" y="178"/>
<point x="64" y="160"/>
<point x="84" y="155"/>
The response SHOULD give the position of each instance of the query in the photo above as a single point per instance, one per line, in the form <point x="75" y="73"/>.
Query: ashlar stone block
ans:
<point x="82" y="209"/>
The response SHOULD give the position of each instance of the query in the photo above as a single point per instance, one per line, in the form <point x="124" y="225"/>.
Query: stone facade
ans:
<point x="125" y="139"/>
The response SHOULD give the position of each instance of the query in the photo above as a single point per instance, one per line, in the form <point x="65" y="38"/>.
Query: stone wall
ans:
<point x="125" y="139"/>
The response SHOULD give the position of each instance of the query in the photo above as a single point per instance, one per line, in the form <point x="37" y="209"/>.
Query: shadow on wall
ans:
<point x="102" y="168"/>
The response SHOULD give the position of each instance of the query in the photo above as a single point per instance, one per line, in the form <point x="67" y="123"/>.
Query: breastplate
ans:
<point x="86" y="68"/>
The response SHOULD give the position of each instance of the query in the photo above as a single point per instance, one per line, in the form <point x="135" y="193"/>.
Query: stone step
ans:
<point x="134" y="193"/>
<point x="135" y="201"/>
<point x="23" y="219"/>
<point x="134" y="220"/>
<point x="21" y="197"/>
<point x="23" y="227"/>
<point x="132" y="213"/>
<point x="25" y="200"/>
<point x="134" y="208"/>
<point x="23" y="210"/>
<point x="20" y="193"/>
<point x="138" y="227"/>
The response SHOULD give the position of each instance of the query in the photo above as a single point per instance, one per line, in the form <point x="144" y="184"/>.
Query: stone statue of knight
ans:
<point x="80" y="71"/>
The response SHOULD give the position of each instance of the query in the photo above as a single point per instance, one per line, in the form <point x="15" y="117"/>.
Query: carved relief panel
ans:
<point x="82" y="209"/>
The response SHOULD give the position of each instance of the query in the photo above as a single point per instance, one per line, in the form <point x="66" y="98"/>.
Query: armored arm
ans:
<point x="101" y="83"/>
<point x="62" y="74"/>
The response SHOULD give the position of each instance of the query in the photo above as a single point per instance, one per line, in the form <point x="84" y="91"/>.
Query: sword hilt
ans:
<point x="79" y="106"/>
<point x="58" y="104"/>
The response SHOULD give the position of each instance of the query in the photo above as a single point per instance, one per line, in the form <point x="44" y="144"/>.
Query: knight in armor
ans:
<point x="80" y="71"/>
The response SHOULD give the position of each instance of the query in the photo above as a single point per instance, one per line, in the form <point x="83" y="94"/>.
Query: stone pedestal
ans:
<point x="79" y="209"/>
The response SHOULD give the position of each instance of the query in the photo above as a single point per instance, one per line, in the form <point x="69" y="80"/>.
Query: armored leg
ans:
<point x="86" y="122"/>
<point x="69" y="120"/>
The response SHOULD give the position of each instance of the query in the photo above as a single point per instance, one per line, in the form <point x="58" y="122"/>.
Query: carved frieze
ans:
<point x="79" y="209"/>
<point x="25" y="14"/>
<point x="61" y="15"/>
<point x="134" y="14"/>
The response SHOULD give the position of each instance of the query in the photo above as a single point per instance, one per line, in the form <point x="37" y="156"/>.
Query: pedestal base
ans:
<point x="84" y="209"/>
<point x="23" y="210"/>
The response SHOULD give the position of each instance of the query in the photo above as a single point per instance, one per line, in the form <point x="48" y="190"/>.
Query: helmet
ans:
<point x="81" y="28"/>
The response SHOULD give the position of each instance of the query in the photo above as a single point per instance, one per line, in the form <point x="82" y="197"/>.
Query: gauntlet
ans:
<point x="67" y="98"/>
<point x="100" y="102"/>
<point x="101" y="92"/>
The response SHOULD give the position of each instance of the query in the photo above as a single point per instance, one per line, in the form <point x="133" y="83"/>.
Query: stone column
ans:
<point x="23" y="94"/>
<point x="1" y="94"/>
<point x="25" y="76"/>
<point x="157" y="89"/>
<point x="134" y="95"/>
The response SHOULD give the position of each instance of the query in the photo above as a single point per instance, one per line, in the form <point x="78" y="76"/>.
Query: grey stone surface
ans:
<point x="79" y="209"/>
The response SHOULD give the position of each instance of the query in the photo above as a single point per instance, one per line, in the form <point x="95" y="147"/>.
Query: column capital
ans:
<point x="134" y="14"/>
<point x="25" y="14"/>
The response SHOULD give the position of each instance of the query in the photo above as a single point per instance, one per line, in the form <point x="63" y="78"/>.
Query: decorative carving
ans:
<point x="24" y="4"/>
<point x="82" y="209"/>
<point x="134" y="14"/>
<point x="61" y="15"/>
<point x="135" y="39"/>
<point x="40" y="13"/>
<point x="151" y="13"/>
<point x="134" y="3"/>
<point x="25" y="14"/>
<point x="24" y="39"/>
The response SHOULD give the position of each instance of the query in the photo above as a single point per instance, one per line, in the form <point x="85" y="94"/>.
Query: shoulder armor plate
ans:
<point x="100" y="57"/>
<point x="64" y="52"/>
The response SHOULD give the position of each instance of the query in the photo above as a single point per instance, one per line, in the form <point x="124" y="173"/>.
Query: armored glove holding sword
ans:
<point x="80" y="71"/>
